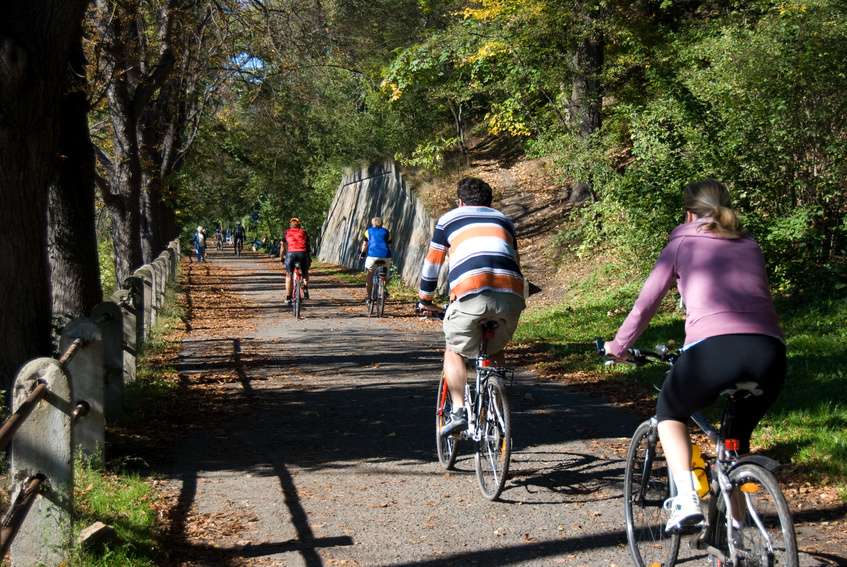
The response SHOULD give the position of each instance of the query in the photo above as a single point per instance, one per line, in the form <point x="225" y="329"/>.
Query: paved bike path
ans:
<point x="331" y="461"/>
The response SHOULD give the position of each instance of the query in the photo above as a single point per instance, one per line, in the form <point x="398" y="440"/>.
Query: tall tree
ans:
<point x="134" y="71"/>
<point x="71" y="235"/>
<point x="36" y="39"/>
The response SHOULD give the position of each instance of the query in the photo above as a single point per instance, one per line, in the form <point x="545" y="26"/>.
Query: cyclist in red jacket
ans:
<point x="295" y="249"/>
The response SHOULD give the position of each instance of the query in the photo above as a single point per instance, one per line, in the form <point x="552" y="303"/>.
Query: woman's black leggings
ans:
<point x="717" y="364"/>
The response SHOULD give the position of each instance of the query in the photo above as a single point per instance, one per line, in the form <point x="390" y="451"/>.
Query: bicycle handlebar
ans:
<point x="430" y="309"/>
<point x="640" y="357"/>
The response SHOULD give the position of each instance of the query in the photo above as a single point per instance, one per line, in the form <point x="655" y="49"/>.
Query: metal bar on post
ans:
<point x="11" y="425"/>
<point x="18" y="510"/>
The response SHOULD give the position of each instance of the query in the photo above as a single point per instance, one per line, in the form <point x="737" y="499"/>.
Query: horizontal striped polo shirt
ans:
<point x="483" y="254"/>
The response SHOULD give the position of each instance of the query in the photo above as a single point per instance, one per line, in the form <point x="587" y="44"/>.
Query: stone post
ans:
<point x="107" y="316"/>
<point x="161" y="269"/>
<point x="137" y="292"/>
<point x="85" y="370"/>
<point x="129" y="332"/>
<point x="174" y="260"/>
<point x="146" y="273"/>
<point x="43" y="445"/>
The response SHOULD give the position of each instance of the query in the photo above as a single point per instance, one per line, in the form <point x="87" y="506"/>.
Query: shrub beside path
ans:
<point x="311" y="442"/>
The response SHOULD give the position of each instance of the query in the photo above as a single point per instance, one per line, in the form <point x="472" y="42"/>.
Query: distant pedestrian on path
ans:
<point x="200" y="244"/>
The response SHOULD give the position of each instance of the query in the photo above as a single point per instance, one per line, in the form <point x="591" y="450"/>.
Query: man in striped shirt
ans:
<point x="485" y="284"/>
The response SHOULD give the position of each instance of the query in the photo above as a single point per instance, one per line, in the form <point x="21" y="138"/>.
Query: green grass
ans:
<point x="113" y="495"/>
<point x="806" y="427"/>
<point x="123" y="501"/>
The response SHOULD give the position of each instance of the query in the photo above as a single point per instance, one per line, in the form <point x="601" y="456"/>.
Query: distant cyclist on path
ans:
<point x="295" y="248"/>
<point x="376" y="247"/>
<point x="485" y="282"/>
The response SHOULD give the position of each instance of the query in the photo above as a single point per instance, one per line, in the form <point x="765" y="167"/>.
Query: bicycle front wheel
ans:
<point x="765" y="534"/>
<point x="447" y="447"/>
<point x="646" y="487"/>
<point x="495" y="444"/>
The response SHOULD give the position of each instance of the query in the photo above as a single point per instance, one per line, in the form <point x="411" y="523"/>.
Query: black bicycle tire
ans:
<point x="381" y="297"/>
<point x="447" y="448"/>
<point x="641" y="433"/>
<point x="493" y="386"/>
<point x="295" y="298"/>
<point x="768" y="480"/>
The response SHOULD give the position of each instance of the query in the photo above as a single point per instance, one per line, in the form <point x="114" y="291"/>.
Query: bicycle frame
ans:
<point x="379" y="272"/>
<point x="474" y="398"/>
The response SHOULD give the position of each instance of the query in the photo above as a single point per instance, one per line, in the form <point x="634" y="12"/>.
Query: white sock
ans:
<point x="684" y="484"/>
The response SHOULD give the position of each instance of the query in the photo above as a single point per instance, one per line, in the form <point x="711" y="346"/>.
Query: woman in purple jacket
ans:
<point x="732" y="334"/>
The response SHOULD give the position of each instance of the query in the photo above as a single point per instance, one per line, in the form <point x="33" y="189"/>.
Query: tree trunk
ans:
<point x="71" y="234"/>
<point x="586" y="102"/>
<point x="35" y="41"/>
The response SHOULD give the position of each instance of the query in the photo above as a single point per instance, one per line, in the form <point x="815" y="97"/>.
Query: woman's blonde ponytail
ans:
<point x="709" y="199"/>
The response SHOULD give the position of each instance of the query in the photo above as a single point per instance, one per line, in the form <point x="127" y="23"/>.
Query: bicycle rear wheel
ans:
<point x="766" y="535"/>
<point x="295" y="298"/>
<point x="495" y="444"/>
<point x="381" y="297"/>
<point x="447" y="447"/>
<point x="646" y="487"/>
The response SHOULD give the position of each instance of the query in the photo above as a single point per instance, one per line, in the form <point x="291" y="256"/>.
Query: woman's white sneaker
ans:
<point x="685" y="512"/>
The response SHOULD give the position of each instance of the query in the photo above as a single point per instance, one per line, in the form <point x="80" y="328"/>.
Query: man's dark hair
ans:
<point x="475" y="192"/>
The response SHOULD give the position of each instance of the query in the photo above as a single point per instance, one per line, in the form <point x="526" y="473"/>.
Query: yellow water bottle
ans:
<point x="698" y="472"/>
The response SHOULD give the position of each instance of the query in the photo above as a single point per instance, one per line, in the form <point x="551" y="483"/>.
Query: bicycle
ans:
<point x="297" y="291"/>
<point x="489" y="420"/>
<point x="239" y="246"/>
<point x="219" y="242"/>
<point x="744" y="485"/>
<point x="376" y="302"/>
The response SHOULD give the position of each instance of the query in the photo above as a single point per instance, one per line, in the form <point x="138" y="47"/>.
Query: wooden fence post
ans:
<point x="42" y="445"/>
<point x="85" y="370"/>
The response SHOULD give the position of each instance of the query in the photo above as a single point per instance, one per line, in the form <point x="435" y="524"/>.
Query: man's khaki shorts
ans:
<point x="463" y="318"/>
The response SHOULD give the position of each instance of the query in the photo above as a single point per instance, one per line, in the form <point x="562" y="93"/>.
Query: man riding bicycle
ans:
<point x="375" y="249"/>
<point x="485" y="282"/>
<point x="239" y="236"/>
<point x="295" y="250"/>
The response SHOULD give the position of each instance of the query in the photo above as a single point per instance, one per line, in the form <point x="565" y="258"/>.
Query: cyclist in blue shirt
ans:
<point x="375" y="248"/>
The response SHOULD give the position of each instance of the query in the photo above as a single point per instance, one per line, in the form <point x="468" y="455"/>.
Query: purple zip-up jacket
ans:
<point x="722" y="282"/>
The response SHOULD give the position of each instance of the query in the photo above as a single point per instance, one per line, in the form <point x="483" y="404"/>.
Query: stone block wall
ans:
<point x="377" y="190"/>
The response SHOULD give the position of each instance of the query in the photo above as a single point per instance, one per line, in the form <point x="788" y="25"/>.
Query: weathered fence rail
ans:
<point x="60" y="407"/>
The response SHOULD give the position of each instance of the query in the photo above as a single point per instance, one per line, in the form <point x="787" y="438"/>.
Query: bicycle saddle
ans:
<point x="743" y="389"/>
<point x="488" y="328"/>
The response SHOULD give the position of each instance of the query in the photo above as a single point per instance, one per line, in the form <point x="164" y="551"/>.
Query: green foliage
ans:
<point x="753" y="98"/>
<point x="108" y="279"/>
